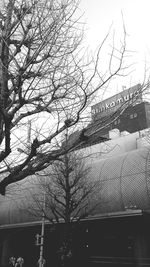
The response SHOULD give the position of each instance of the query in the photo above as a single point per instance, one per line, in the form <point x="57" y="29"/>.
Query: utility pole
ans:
<point x="40" y="238"/>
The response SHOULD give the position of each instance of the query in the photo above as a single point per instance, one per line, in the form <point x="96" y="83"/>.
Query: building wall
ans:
<point x="122" y="182"/>
<point x="120" y="167"/>
<point x="147" y="110"/>
<point x="120" y="142"/>
<point x="110" y="105"/>
<point x="133" y="119"/>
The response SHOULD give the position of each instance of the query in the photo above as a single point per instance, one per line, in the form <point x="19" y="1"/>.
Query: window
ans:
<point x="117" y="122"/>
<point x="132" y="116"/>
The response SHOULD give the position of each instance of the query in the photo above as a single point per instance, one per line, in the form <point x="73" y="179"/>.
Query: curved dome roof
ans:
<point x="122" y="182"/>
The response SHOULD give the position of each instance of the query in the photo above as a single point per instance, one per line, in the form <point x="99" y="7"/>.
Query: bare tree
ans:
<point x="67" y="192"/>
<point x="46" y="81"/>
<point x="67" y="189"/>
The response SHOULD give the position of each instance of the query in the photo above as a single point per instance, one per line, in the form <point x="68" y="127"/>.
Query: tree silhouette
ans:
<point x="46" y="82"/>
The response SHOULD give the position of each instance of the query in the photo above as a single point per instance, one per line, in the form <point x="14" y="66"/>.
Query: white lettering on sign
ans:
<point x="112" y="104"/>
<point x="104" y="106"/>
<point x="119" y="101"/>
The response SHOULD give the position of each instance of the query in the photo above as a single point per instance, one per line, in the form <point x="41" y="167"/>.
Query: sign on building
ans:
<point x="111" y="104"/>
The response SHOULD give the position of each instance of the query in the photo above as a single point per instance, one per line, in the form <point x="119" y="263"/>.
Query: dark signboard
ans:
<point x="111" y="104"/>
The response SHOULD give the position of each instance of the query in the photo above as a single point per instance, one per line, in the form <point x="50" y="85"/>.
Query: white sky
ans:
<point x="100" y="14"/>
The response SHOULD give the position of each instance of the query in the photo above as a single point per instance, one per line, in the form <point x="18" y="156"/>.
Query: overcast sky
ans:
<point x="100" y="14"/>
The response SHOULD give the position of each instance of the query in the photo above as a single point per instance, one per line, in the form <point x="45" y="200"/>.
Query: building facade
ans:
<point x="133" y="112"/>
<point x="116" y="231"/>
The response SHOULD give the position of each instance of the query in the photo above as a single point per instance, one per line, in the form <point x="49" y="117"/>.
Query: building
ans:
<point x="126" y="111"/>
<point x="116" y="232"/>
